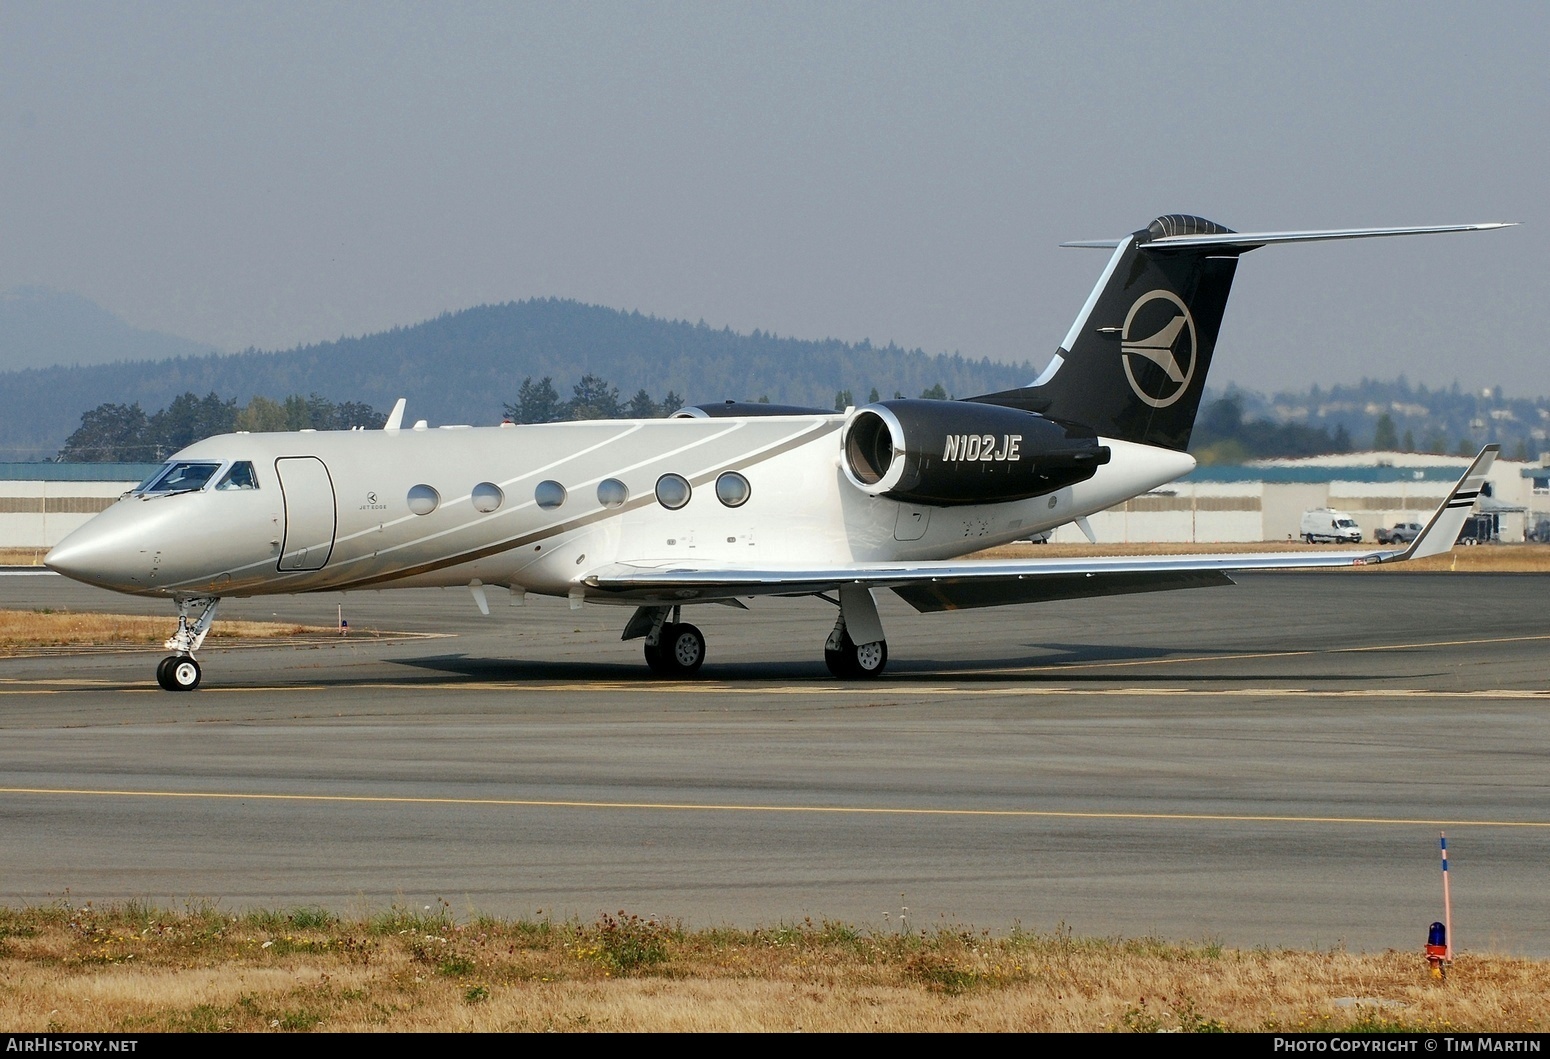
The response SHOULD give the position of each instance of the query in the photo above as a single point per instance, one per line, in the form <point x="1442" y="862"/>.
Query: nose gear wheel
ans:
<point x="178" y="673"/>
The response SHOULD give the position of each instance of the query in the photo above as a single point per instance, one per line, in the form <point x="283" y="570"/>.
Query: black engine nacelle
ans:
<point x="956" y="452"/>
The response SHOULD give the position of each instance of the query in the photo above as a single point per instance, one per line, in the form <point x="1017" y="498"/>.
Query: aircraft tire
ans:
<point x="857" y="662"/>
<point x="684" y="650"/>
<point x="183" y="673"/>
<point x="838" y="663"/>
<point x="163" y="676"/>
<point x="656" y="655"/>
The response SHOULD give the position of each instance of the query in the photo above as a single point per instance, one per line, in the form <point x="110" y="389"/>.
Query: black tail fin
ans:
<point x="1134" y="364"/>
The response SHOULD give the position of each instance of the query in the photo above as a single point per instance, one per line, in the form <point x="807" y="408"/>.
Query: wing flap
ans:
<point x="959" y="595"/>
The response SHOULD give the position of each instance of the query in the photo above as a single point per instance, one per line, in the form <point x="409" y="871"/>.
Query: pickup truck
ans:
<point x="1402" y="533"/>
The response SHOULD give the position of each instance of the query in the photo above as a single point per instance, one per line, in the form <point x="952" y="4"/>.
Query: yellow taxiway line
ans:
<point x="711" y="807"/>
<point x="891" y="691"/>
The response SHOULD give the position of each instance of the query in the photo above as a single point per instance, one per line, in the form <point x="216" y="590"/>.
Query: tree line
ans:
<point x="119" y="433"/>
<point x="1223" y="435"/>
<point x="593" y="397"/>
<point x="124" y="433"/>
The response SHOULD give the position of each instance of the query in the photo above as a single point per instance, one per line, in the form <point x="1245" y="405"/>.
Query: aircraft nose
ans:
<point x="99" y="553"/>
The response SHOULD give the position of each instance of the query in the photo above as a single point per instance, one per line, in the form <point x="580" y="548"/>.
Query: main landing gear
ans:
<point x="849" y="660"/>
<point x="179" y="671"/>
<point x="855" y="649"/>
<point x="674" y="648"/>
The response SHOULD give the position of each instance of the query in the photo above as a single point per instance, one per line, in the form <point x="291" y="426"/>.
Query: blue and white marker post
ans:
<point x="1447" y="901"/>
<point x="1439" y="940"/>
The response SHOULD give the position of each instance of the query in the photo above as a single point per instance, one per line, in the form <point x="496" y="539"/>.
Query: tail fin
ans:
<point x="1133" y="366"/>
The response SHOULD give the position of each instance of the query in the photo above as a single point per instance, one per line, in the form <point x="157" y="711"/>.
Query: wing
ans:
<point x="957" y="584"/>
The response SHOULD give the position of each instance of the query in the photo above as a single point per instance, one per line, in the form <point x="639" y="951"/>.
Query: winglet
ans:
<point x="1442" y="530"/>
<point x="395" y="418"/>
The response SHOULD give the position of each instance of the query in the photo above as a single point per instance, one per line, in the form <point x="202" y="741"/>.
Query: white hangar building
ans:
<point x="41" y="503"/>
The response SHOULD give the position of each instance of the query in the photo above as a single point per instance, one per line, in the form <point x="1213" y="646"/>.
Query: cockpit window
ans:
<point x="182" y="478"/>
<point x="240" y="476"/>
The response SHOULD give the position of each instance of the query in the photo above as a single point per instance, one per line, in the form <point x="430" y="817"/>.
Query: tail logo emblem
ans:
<point x="1152" y="336"/>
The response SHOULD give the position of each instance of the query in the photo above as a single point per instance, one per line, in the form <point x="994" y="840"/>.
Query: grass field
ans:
<point x="22" y="629"/>
<point x="136" y="968"/>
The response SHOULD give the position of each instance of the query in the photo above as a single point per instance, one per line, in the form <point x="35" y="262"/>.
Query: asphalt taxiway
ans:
<point x="1262" y="765"/>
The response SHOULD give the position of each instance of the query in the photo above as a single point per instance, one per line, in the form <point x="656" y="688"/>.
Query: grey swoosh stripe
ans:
<point x="539" y="536"/>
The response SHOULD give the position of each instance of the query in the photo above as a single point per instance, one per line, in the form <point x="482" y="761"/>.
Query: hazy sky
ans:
<point x="268" y="174"/>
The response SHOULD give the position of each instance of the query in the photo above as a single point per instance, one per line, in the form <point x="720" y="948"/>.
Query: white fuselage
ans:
<point x="332" y="510"/>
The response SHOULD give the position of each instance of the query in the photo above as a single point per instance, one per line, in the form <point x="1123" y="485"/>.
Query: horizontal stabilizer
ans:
<point x="1242" y="241"/>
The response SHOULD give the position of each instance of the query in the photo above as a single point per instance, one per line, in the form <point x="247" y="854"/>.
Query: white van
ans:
<point x="1323" y="525"/>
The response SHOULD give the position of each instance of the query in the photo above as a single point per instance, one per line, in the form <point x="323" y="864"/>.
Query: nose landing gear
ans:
<point x="179" y="671"/>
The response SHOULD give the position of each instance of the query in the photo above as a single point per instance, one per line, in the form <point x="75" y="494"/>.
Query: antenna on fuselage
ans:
<point x="395" y="418"/>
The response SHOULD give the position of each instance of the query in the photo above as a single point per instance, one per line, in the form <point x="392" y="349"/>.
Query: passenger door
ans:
<point x="310" y="513"/>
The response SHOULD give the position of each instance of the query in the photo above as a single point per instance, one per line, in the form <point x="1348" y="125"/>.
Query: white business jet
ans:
<point x="723" y="503"/>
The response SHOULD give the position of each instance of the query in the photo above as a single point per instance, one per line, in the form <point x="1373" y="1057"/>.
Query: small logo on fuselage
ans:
<point x="982" y="448"/>
<point x="1159" y="359"/>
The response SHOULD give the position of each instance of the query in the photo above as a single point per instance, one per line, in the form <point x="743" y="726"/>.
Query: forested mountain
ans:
<point x="466" y="367"/>
<point x="545" y="359"/>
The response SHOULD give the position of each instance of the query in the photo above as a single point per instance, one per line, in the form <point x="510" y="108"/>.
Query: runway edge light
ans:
<point x="1439" y="948"/>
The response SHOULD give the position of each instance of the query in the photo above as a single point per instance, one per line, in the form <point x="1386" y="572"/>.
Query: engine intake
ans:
<point x="948" y="453"/>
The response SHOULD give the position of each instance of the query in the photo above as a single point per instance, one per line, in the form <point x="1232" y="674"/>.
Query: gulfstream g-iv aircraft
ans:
<point x="722" y="503"/>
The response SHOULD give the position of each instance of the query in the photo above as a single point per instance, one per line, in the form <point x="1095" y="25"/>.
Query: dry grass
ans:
<point x="1479" y="559"/>
<point x="141" y="969"/>
<point x="21" y="629"/>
